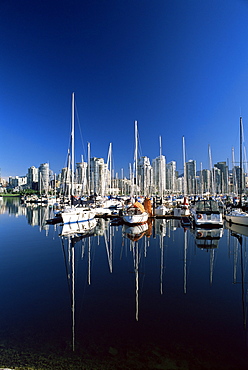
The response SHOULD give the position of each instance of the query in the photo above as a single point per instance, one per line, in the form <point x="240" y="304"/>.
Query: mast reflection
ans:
<point x="70" y="235"/>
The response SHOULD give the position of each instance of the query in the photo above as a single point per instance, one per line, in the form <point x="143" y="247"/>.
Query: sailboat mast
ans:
<point x="110" y="166"/>
<point x="160" y="168"/>
<point x="184" y="170"/>
<point x="72" y="144"/>
<point x="136" y="156"/>
<point x="241" y="162"/>
<point x="89" y="184"/>
<point x="211" y="171"/>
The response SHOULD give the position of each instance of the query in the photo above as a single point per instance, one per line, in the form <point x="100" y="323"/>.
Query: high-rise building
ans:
<point x="81" y="178"/>
<point x="191" y="176"/>
<point x="171" y="177"/>
<point x="43" y="177"/>
<point x="32" y="177"/>
<point x="222" y="181"/>
<point x="159" y="175"/>
<point x="144" y="176"/>
<point x="205" y="181"/>
<point x="99" y="177"/>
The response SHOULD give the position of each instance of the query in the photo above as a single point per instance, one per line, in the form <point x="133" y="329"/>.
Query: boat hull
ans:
<point x="135" y="219"/>
<point x="76" y="215"/>
<point x="78" y="228"/>
<point x="240" y="219"/>
<point x="206" y="213"/>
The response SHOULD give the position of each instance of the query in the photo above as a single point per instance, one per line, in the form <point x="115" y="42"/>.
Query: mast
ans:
<point x="160" y="169"/>
<point x="72" y="144"/>
<point x="234" y="173"/>
<point x="136" y="156"/>
<point x="241" y="162"/>
<point x="211" y="170"/>
<point x="109" y="166"/>
<point x="88" y="168"/>
<point x="184" y="170"/>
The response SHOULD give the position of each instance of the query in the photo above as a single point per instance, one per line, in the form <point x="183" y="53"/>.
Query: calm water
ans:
<point x="169" y="298"/>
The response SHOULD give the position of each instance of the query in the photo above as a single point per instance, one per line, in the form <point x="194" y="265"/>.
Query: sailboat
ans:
<point x="135" y="212"/>
<point x="238" y="216"/>
<point x="71" y="214"/>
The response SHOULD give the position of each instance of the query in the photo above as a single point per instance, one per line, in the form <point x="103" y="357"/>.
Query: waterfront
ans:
<point x="171" y="299"/>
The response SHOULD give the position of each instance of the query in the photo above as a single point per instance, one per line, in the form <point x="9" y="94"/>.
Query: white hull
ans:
<point x="72" y="215"/>
<point x="206" y="213"/>
<point x="213" y="220"/>
<point x="82" y="228"/>
<point x="237" y="217"/>
<point x="238" y="229"/>
<point x="135" y="219"/>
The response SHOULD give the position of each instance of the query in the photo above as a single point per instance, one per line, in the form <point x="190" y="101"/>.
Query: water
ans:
<point x="169" y="300"/>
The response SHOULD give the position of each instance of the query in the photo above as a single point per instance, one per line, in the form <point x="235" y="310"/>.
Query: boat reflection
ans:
<point x="70" y="235"/>
<point x="79" y="228"/>
<point x="138" y="248"/>
<point x="207" y="238"/>
<point x="237" y="229"/>
<point x="136" y="232"/>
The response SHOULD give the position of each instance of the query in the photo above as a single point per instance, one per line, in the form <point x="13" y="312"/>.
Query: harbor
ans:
<point x="120" y="296"/>
<point x="124" y="185"/>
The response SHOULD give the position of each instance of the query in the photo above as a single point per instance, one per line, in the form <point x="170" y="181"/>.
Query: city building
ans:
<point x="159" y="175"/>
<point x="18" y="183"/>
<point x="43" y="178"/>
<point x="145" y="176"/>
<point x="32" y="178"/>
<point x="99" y="177"/>
<point x="222" y="181"/>
<point x="191" y="176"/>
<point x="171" y="177"/>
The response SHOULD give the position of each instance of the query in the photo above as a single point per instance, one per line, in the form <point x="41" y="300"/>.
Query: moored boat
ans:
<point x="237" y="216"/>
<point x="207" y="213"/>
<point x="135" y="214"/>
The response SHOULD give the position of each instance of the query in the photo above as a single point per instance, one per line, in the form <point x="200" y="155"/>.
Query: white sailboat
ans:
<point x="238" y="216"/>
<point x="71" y="214"/>
<point x="135" y="212"/>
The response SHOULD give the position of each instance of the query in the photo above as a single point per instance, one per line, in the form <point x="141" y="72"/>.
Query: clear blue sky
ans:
<point x="178" y="67"/>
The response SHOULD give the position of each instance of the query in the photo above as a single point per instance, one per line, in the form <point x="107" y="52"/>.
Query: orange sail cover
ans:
<point x="139" y="205"/>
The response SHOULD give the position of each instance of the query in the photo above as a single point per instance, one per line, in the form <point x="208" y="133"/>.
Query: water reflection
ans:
<point x="240" y="257"/>
<point x="36" y="214"/>
<point x="138" y="284"/>
<point x="70" y="235"/>
<point x="207" y="238"/>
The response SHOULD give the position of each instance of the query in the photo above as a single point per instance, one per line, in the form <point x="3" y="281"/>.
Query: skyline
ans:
<point x="179" y="69"/>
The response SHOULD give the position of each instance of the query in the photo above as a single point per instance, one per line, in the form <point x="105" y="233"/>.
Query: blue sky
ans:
<point x="178" y="67"/>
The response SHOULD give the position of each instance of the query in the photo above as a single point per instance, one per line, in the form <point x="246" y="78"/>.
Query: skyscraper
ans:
<point x="191" y="176"/>
<point x="159" y="175"/>
<point x="43" y="178"/>
<point x="171" y="176"/>
<point x="32" y="177"/>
